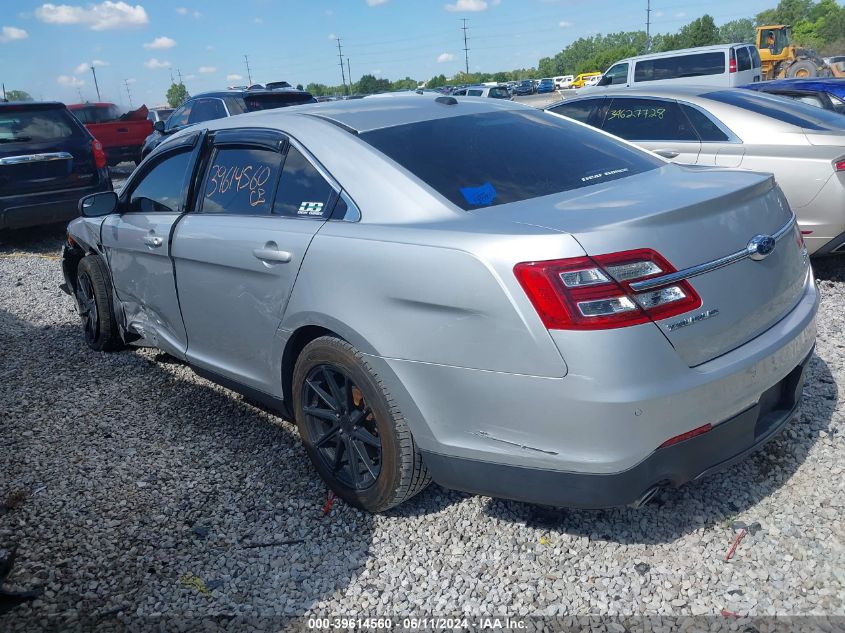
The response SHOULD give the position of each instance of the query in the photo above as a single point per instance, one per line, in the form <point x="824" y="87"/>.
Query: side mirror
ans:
<point x="96" y="205"/>
<point x="605" y="81"/>
<point x="158" y="126"/>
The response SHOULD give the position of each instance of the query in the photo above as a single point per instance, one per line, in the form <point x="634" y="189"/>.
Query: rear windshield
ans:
<point x="23" y="126"/>
<point x="272" y="101"/>
<point x="95" y="114"/>
<point x="781" y="109"/>
<point x="499" y="92"/>
<point x="482" y="160"/>
<point x="679" y="66"/>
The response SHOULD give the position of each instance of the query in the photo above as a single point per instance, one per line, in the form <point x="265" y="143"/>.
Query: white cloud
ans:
<point x="207" y="69"/>
<point x="12" y="33"/>
<point x="161" y="42"/>
<point x="181" y="11"/>
<point x="470" y="6"/>
<point x="197" y="14"/>
<point x="564" y="24"/>
<point x="209" y="47"/>
<point x="445" y="57"/>
<point x="97" y="17"/>
<point x="234" y="77"/>
<point x="153" y="63"/>
<point x="69" y="81"/>
<point x="84" y="67"/>
<point x="375" y="3"/>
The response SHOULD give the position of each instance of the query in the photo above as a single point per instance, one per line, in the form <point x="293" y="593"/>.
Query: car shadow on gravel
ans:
<point x="699" y="504"/>
<point x="144" y="489"/>
<point x="36" y="240"/>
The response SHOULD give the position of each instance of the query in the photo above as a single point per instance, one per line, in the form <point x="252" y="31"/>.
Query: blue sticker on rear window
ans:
<point x="485" y="194"/>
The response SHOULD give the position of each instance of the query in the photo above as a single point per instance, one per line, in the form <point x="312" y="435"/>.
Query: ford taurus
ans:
<point x="576" y="322"/>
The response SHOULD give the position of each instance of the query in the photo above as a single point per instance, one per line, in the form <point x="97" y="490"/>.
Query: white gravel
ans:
<point x="131" y="487"/>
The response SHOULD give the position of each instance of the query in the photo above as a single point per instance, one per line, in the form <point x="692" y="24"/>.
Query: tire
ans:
<point x="94" y="299"/>
<point x="341" y="421"/>
<point x="802" y="68"/>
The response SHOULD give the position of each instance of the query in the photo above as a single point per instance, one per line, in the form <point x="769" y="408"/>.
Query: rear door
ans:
<point x="43" y="148"/>
<point x="719" y="145"/>
<point x="238" y="255"/>
<point x="137" y="243"/>
<point x="655" y="124"/>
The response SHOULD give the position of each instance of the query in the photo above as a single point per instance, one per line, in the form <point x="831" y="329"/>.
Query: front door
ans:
<point x="655" y="124"/>
<point x="137" y="245"/>
<point x="237" y="256"/>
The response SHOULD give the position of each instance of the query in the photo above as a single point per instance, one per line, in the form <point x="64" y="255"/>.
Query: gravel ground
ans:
<point x="131" y="487"/>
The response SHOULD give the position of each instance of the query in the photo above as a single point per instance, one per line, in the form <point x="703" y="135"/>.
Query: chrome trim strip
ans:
<point x="701" y="269"/>
<point x="35" y="158"/>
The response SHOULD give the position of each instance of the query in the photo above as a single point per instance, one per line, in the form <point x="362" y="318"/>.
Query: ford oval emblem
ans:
<point x="760" y="247"/>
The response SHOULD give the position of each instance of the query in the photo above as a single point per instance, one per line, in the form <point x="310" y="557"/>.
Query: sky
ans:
<point x="47" y="49"/>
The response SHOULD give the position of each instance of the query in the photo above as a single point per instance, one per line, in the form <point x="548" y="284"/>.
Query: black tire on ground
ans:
<point x="94" y="296"/>
<point x="802" y="68"/>
<point x="342" y="408"/>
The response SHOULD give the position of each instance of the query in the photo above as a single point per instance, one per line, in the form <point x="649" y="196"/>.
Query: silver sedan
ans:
<point x="572" y="322"/>
<point x="803" y="146"/>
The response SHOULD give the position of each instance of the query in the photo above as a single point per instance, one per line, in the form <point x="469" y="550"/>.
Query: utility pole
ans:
<point x="172" y="80"/>
<point x="648" y="26"/>
<point x="128" y="92"/>
<point x="342" y="72"/>
<point x="4" y="92"/>
<point x="96" y="85"/>
<point x="466" y="49"/>
<point x="248" y="71"/>
<point x="81" y="99"/>
<point x="179" y="72"/>
<point x="349" y="74"/>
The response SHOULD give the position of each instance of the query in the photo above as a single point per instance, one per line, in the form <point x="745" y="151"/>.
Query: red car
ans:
<point x="122" y="135"/>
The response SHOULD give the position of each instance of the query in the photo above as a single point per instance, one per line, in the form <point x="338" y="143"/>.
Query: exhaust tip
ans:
<point x="647" y="496"/>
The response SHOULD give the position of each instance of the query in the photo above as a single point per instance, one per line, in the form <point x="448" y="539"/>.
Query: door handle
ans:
<point x="667" y="153"/>
<point x="272" y="255"/>
<point x="152" y="241"/>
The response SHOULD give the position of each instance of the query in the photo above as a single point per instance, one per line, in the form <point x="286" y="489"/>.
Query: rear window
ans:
<point x="501" y="157"/>
<point x="743" y="59"/>
<point x="96" y="114"/>
<point x="272" y="101"/>
<point x="24" y="126"/>
<point x="781" y="109"/>
<point x="696" y="65"/>
<point x="499" y="93"/>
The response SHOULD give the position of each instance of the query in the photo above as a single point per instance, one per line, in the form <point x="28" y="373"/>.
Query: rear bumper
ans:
<point x="17" y="212"/>
<point x="727" y="443"/>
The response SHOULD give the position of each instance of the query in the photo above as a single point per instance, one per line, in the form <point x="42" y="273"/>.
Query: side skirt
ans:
<point x="274" y="403"/>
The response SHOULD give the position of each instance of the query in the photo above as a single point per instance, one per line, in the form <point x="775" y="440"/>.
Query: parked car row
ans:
<point x="590" y="322"/>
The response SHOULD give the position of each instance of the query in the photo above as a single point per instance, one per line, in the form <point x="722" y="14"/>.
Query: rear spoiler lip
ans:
<point x="701" y="269"/>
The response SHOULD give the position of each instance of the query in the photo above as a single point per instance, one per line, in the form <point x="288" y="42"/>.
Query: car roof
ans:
<point x="684" y="51"/>
<point x="31" y="105"/>
<point x="244" y="92"/>
<point x="818" y="83"/>
<point x="667" y="92"/>
<point x="89" y="104"/>
<point x="364" y="115"/>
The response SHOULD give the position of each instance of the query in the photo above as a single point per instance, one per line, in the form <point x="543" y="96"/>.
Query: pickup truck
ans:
<point x="122" y="135"/>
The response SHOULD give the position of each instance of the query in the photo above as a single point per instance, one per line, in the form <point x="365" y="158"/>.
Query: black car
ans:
<point x="220" y="104"/>
<point x="525" y="87"/>
<point x="48" y="161"/>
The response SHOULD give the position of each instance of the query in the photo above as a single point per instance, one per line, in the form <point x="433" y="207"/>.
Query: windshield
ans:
<point x="500" y="157"/>
<point x="278" y="100"/>
<point x="781" y="109"/>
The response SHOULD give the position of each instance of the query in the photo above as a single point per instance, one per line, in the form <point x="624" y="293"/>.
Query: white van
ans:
<point x="563" y="82"/>
<point x="723" y="65"/>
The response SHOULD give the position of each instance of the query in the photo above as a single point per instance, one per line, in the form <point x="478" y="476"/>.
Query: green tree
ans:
<point x="787" y="12"/>
<point x="438" y="81"/>
<point x="405" y="84"/>
<point x="18" y="95"/>
<point x="370" y="84"/>
<point x="700" y="32"/>
<point x="177" y="94"/>
<point x="741" y="30"/>
<point x="299" y="87"/>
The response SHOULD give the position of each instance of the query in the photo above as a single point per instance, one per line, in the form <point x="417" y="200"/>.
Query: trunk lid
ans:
<point x="43" y="148"/>
<point x="691" y="216"/>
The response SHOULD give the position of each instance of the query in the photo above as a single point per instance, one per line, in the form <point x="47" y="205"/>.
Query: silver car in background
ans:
<point x="576" y="322"/>
<point x="803" y="146"/>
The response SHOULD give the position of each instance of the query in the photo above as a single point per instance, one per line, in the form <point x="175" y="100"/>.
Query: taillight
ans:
<point x="686" y="436"/>
<point x="732" y="62"/>
<point x="594" y="293"/>
<point x="99" y="154"/>
<point x="839" y="165"/>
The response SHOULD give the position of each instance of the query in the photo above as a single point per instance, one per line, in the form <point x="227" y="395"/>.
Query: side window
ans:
<point x="648" y="120"/>
<point x="474" y="93"/>
<point x="241" y="180"/>
<point x="616" y="75"/>
<point x="694" y="65"/>
<point x="578" y="110"/>
<point x="161" y="190"/>
<point x="302" y="192"/>
<point x="706" y="128"/>
<point x="755" y="57"/>
<point x="743" y="58"/>
<point x="180" y="116"/>
<point x="207" y="110"/>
